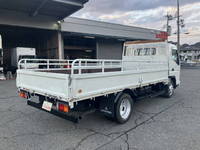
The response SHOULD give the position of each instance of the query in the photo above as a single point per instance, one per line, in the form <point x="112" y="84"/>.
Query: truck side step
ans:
<point x="72" y="116"/>
<point x="154" y="94"/>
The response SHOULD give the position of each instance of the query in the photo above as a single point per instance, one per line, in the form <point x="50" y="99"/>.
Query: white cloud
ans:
<point x="151" y="16"/>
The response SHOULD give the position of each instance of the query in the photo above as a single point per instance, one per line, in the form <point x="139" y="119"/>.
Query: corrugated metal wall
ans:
<point x="109" y="49"/>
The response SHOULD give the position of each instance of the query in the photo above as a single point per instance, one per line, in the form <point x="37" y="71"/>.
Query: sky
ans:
<point x="147" y="13"/>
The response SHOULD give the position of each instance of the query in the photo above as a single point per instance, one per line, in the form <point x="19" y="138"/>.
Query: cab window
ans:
<point x="128" y="51"/>
<point x="153" y="51"/>
<point x="147" y="51"/>
<point x="138" y="52"/>
<point x="175" y="56"/>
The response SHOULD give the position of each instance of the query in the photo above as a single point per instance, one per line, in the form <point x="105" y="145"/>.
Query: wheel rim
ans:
<point x="125" y="109"/>
<point x="171" y="89"/>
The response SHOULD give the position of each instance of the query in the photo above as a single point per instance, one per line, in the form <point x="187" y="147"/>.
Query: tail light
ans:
<point x="23" y="95"/>
<point x="63" y="107"/>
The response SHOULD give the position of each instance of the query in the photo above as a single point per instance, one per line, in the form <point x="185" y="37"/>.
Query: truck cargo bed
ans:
<point x="83" y="71"/>
<point x="102" y="77"/>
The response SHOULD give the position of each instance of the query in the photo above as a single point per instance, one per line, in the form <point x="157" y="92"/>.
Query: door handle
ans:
<point x="172" y="69"/>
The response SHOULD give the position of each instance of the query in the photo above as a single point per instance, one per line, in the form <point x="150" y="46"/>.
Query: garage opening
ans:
<point x="43" y="41"/>
<point x="76" y="47"/>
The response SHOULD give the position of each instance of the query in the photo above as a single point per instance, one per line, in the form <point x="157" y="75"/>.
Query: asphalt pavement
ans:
<point x="156" y="124"/>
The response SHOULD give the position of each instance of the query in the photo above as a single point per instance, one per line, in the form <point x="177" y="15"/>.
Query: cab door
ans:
<point x="174" y="63"/>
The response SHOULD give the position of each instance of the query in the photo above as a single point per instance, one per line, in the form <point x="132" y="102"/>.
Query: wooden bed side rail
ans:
<point x="143" y="42"/>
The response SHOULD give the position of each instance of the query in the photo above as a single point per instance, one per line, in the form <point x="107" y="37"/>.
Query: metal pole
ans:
<point x="60" y="45"/>
<point x="178" y="26"/>
<point x="167" y="22"/>
<point x="167" y="26"/>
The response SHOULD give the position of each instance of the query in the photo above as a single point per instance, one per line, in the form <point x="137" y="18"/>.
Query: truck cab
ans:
<point x="174" y="64"/>
<point x="147" y="52"/>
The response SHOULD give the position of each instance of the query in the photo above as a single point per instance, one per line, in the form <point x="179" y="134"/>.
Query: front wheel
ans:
<point x="124" y="108"/>
<point x="169" y="91"/>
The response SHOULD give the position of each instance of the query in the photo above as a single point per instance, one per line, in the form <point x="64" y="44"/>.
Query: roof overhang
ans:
<point x="77" y="26"/>
<point x="43" y="14"/>
<point x="57" y="9"/>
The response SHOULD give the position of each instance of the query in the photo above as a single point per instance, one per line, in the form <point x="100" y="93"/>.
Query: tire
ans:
<point x="109" y="118"/>
<point x="169" y="90"/>
<point x="123" y="108"/>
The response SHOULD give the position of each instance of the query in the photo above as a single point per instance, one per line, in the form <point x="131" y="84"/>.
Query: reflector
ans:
<point x="22" y="94"/>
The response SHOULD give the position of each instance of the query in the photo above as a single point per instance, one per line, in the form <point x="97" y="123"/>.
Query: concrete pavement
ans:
<point x="157" y="124"/>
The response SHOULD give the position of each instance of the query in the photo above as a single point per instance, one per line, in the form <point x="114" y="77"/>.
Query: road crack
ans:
<point x="140" y="124"/>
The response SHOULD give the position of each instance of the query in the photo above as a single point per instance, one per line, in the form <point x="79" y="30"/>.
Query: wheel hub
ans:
<point x="171" y="89"/>
<point x="125" y="108"/>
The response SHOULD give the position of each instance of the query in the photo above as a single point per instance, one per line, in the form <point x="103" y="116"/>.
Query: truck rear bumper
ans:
<point x="71" y="114"/>
<point x="68" y="116"/>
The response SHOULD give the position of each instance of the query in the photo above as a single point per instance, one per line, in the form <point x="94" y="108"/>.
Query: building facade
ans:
<point x="45" y="26"/>
<point x="190" y="53"/>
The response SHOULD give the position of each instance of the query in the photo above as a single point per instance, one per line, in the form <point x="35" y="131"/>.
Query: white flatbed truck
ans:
<point x="71" y="89"/>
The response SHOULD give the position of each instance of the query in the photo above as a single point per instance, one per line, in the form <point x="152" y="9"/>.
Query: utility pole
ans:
<point x="169" y="18"/>
<point x="178" y="26"/>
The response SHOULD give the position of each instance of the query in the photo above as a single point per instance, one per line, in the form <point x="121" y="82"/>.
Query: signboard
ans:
<point x="162" y="35"/>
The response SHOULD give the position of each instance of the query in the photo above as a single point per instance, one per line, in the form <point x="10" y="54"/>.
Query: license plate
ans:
<point x="47" y="106"/>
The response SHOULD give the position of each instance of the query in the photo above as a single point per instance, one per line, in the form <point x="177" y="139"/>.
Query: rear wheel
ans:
<point x="124" y="108"/>
<point x="169" y="91"/>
